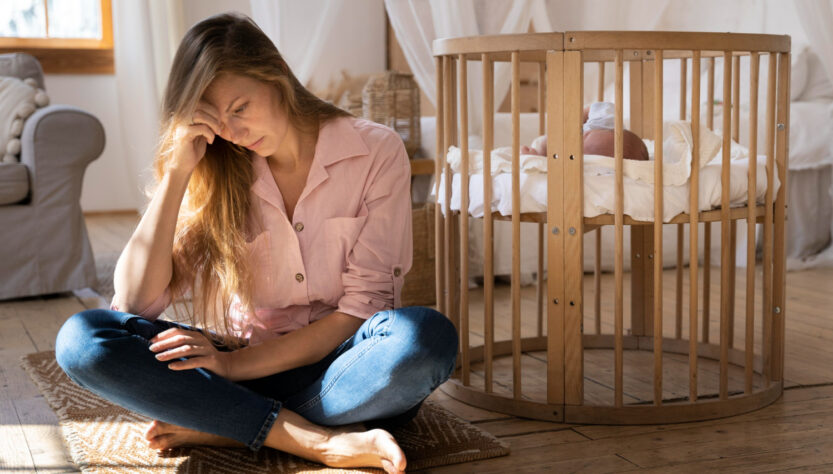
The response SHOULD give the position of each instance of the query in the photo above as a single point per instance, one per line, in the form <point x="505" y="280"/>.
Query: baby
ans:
<point x="598" y="136"/>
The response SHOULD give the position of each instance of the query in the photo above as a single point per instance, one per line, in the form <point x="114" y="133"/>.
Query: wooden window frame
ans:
<point x="70" y="55"/>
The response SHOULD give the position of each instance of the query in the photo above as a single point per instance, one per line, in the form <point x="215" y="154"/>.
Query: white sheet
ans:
<point x="599" y="179"/>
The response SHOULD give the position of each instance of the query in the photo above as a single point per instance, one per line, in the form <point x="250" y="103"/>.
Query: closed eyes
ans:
<point x="240" y="109"/>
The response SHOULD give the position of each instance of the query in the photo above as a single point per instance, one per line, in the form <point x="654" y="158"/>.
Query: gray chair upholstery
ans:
<point x="44" y="247"/>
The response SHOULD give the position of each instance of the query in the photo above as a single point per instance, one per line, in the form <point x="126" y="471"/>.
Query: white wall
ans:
<point x="107" y="183"/>
<point x="357" y="44"/>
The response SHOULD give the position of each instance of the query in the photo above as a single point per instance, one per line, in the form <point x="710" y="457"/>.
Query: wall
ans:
<point x="356" y="44"/>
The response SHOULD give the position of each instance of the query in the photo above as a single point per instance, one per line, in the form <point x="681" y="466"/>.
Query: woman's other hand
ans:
<point x="196" y="348"/>
<point x="192" y="138"/>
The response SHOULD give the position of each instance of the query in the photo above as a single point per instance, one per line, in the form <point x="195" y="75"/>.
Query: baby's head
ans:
<point x="601" y="142"/>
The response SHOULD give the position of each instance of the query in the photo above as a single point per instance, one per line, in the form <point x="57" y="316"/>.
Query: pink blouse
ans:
<point x="349" y="244"/>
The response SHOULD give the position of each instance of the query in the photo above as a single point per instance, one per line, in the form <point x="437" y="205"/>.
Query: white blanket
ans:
<point x="599" y="179"/>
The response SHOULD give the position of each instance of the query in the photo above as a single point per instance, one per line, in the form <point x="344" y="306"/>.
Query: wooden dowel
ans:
<point x="678" y="301"/>
<point x="707" y="227"/>
<point x="597" y="282"/>
<point x="710" y="96"/>
<point x="725" y="228"/>
<point x="733" y="245"/>
<point x="779" y="264"/>
<point x="540" y="291"/>
<point x="707" y="278"/>
<point x="488" y="226"/>
<point x="516" y="226"/>
<point x="449" y="178"/>
<point x="694" y="212"/>
<point x="439" y="166"/>
<point x="619" y="229"/>
<point x="597" y="261"/>
<point x="750" y="223"/>
<point x="659" y="212"/>
<point x="733" y="231"/>
<point x="462" y="76"/>
<point x="766" y="340"/>
<point x="736" y="98"/>
<point x="683" y="87"/>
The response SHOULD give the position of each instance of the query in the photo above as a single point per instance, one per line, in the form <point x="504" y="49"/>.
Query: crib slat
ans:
<point x="555" y="222"/>
<point x="658" y="219"/>
<point x="766" y="341"/>
<point x="540" y="292"/>
<point x="439" y="166"/>
<point x="462" y="77"/>
<point x="710" y="96"/>
<point x="678" y="301"/>
<point x="724" y="229"/>
<point x="488" y="226"/>
<point x="750" y="222"/>
<point x="707" y="278"/>
<point x="448" y="227"/>
<point x="516" y="226"/>
<point x="693" y="226"/>
<point x="597" y="261"/>
<point x="619" y="229"/>
<point x="733" y="231"/>
<point x="453" y="248"/>
<point x="707" y="227"/>
<point x="779" y="265"/>
<point x="683" y="86"/>
<point x="574" y="223"/>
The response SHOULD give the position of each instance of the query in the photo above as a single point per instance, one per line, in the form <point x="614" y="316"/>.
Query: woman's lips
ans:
<point x="253" y="145"/>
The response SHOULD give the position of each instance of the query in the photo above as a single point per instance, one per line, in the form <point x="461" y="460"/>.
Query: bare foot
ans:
<point x="374" y="448"/>
<point x="161" y="436"/>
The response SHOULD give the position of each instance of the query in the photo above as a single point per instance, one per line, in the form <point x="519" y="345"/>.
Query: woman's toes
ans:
<point x="393" y="459"/>
<point x="153" y="430"/>
<point x="162" y="442"/>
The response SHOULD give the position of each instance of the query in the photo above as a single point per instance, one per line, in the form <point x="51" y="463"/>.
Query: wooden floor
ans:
<point x="795" y="433"/>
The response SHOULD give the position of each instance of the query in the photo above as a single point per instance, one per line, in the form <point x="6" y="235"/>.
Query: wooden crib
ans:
<point x="549" y="375"/>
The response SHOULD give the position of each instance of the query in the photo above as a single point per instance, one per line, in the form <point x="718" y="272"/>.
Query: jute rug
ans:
<point x="103" y="437"/>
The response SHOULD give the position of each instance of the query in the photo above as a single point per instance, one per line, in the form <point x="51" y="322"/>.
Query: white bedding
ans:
<point x="599" y="179"/>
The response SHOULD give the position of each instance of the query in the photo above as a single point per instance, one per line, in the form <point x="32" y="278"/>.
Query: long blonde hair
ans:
<point x="209" y="251"/>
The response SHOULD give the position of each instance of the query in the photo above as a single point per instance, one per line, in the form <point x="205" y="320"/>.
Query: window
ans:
<point x="67" y="36"/>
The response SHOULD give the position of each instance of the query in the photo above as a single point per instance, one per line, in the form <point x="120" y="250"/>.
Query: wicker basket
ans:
<point x="392" y="99"/>
<point x="420" y="287"/>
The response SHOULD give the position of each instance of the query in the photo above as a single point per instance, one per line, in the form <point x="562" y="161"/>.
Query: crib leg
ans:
<point x="642" y="280"/>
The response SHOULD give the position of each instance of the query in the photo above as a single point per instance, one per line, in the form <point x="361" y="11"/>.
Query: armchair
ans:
<point x="44" y="247"/>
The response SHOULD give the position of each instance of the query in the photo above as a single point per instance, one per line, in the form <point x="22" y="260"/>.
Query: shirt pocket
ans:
<point x="340" y="236"/>
<point x="258" y="253"/>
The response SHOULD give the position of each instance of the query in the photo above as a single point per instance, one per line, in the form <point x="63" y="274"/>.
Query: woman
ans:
<point x="282" y="215"/>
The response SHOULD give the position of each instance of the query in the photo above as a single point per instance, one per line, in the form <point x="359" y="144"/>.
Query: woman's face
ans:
<point x="247" y="112"/>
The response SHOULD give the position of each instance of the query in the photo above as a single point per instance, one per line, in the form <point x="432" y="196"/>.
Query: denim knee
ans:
<point x="434" y="336"/>
<point x="78" y="344"/>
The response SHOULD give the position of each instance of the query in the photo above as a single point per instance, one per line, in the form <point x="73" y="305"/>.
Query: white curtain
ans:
<point x="146" y="34"/>
<point x="417" y="23"/>
<point x="299" y="30"/>
<point x="816" y="17"/>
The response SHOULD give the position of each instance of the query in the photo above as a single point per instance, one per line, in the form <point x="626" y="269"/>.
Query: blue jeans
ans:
<point x="380" y="375"/>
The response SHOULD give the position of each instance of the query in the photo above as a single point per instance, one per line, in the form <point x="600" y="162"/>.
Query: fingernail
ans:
<point x="152" y="347"/>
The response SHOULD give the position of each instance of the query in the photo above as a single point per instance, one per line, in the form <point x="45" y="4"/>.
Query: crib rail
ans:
<point x="540" y="368"/>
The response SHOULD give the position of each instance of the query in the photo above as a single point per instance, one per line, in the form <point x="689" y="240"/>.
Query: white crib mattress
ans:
<point x="599" y="182"/>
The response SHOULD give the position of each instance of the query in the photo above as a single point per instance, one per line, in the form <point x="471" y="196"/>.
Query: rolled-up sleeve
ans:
<point x="383" y="252"/>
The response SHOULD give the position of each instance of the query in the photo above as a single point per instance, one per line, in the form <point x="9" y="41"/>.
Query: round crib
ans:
<point x="682" y="353"/>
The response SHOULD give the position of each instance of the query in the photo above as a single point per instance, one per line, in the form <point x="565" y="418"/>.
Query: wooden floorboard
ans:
<point x="793" y="434"/>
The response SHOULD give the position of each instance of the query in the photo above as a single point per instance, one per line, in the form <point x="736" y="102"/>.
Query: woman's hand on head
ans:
<point x="199" y="352"/>
<point x="193" y="138"/>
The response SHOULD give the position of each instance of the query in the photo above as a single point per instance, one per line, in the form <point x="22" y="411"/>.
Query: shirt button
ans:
<point x="397" y="272"/>
<point x="299" y="277"/>
<point x="299" y="226"/>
